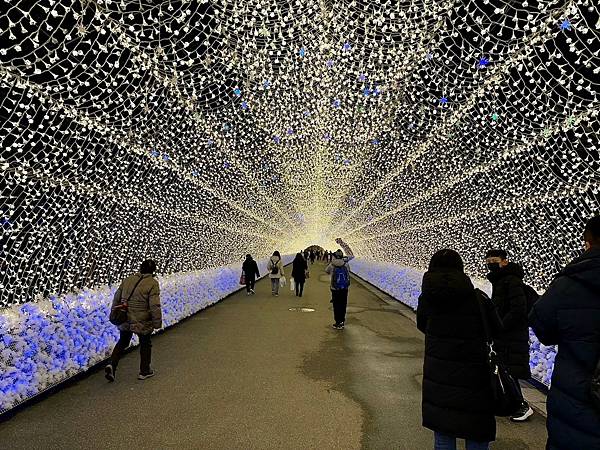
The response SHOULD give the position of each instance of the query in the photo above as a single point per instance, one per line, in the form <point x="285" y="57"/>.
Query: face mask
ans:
<point x="493" y="267"/>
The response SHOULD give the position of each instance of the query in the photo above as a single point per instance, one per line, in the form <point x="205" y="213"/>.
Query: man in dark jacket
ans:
<point x="512" y="343"/>
<point x="251" y="273"/>
<point x="568" y="315"/>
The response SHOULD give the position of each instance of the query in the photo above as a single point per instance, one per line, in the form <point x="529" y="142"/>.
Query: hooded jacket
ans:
<point x="512" y="343"/>
<point x="337" y="262"/>
<point x="568" y="315"/>
<point x="143" y="314"/>
<point x="250" y="269"/>
<point x="457" y="397"/>
<point x="275" y="261"/>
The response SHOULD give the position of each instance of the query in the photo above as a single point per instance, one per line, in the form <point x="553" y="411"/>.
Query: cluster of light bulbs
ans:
<point x="195" y="132"/>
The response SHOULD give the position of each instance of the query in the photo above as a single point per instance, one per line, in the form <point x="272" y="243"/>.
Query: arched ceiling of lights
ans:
<point x="197" y="131"/>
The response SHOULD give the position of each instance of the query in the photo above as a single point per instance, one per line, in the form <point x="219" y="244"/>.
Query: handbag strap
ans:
<point x="486" y="325"/>
<point x="134" y="288"/>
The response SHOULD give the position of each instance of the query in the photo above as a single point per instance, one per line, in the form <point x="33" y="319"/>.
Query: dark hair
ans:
<point x="248" y="256"/>
<point x="496" y="253"/>
<point x="148" y="266"/>
<point x="276" y="253"/>
<point x="591" y="232"/>
<point x="446" y="259"/>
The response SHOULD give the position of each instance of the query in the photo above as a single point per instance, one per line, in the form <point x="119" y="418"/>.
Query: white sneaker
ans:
<point x="523" y="414"/>
<point x="145" y="376"/>
<point x="252" y="291"/>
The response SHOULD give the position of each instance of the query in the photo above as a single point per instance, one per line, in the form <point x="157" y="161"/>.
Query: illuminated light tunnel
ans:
<point x="197" y="132"/>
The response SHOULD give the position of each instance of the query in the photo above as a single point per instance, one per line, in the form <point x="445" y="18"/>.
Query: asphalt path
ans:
<point x="249" y="373"/>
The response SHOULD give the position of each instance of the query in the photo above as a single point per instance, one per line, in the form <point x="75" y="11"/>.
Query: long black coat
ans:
<point x="568" y="314"/>
<point x="299" y="268"/>
<point x="512" y="344"/>
<point x="250" y="269"/>
<point x="457" y="397"/>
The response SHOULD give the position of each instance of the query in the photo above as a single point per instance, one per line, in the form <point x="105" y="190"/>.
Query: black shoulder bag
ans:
<point x="506" y="393"/>
<point x="118" y="313"/>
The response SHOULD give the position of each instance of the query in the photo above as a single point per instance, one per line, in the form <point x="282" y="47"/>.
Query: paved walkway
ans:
<point x="251" y="374"/>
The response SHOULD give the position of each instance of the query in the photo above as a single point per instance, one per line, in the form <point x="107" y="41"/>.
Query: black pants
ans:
<point x="145" y="350"/>
<point x="299" y="288"/>
<point x="339" y="298"/>
<point x="250" y="284"/>
<point x="523" y="401"/>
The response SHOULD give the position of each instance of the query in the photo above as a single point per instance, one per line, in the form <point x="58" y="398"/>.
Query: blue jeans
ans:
<point x="444" y="442"/>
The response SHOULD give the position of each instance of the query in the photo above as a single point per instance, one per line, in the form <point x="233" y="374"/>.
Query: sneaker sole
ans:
<point x="524" y="417"/>
<point x="145" y="377"/>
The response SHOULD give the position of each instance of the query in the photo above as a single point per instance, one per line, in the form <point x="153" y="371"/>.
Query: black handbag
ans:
<point x="506" y="394"/>
<point x="118" y="313"/>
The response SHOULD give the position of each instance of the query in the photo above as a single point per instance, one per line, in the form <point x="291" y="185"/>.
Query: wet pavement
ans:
<point x="249" y="373"/>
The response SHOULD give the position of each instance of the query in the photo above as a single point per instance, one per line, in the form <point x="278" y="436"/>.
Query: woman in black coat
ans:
<point x="251" y="272"/>
<point x="299" y="268"/>
<point x="457" y="396"/>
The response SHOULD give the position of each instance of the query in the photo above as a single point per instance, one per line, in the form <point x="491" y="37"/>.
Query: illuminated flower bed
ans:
<point x="45" y="343"/>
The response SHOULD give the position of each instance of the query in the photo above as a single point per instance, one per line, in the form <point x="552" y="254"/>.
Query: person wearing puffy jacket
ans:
<point x="251" y="273"/>
<point x="275" y="268"/>
<point x="457" y="395"/>
<point x="299" y="269"/>
<point x="512" y="343"/>
<point x="142" y="295"/>
<point x="568" y="315"/>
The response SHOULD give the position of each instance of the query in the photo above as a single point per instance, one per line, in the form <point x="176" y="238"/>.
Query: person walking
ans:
<point x="251" y="273"/>
<point x="339" y="269"/>
<point x="141" y="295"/>
<point x="299" y="269"/>
<point x="568" y="315"/>
<point x="312" y="257"/>
<point x="275" y="268"/>
<point x="512" y="343"/>
<point x="457" y="400"/>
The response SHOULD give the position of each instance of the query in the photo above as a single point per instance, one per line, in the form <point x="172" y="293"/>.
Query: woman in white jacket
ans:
<point x="275" y="268"/>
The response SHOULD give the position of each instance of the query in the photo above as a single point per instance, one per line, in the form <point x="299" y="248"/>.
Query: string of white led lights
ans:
<point x="246" y="126"/>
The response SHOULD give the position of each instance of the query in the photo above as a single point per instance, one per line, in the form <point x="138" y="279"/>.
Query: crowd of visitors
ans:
<point x="476" y="347"/>
<point x="460" y="375"/>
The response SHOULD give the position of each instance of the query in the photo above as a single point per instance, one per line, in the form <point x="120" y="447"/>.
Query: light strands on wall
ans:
<point x="198" y="131"/>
